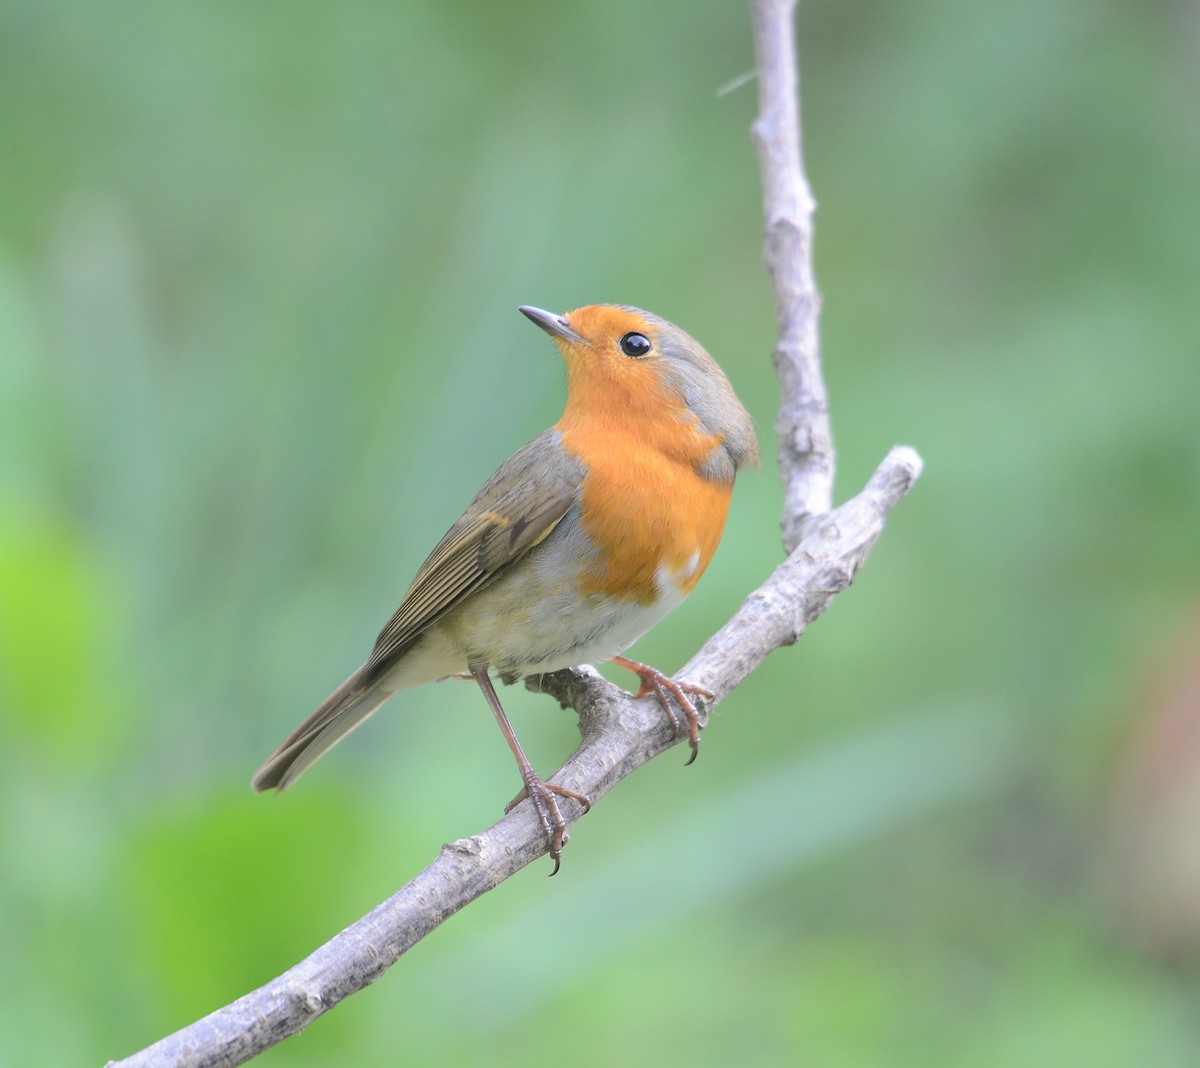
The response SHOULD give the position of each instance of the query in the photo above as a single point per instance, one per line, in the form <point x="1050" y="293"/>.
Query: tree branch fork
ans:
<point x="825" y="546"/>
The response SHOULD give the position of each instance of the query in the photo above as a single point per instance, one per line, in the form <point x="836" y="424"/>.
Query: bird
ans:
<point x="583" y="540"/>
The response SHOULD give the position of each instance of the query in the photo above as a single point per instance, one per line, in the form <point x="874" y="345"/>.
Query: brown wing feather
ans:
<point x="517" y="507"/>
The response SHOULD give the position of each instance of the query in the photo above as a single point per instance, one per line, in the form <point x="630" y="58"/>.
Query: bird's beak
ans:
<point x="554" y="325"/>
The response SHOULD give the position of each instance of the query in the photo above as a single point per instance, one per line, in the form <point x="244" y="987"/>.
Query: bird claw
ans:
<point x="655" y="682"/>
<point x="541" y="794"/>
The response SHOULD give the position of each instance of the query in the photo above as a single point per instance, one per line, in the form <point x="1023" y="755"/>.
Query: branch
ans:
<point x="804" y="439"/>
<point x="619" y="734"/>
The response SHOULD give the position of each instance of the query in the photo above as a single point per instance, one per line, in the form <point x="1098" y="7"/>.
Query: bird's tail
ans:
<point x="341" y="712"/>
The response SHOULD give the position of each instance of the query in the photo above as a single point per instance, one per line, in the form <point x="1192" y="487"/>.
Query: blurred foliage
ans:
<point x="258" y="346"/>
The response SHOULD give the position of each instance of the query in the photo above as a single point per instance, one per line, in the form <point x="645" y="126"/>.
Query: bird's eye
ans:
<point x="635" y="345"/>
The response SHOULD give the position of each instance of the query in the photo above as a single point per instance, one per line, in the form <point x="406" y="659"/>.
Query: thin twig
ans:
<point x="803" y="436"/>
<point x="826" y="549"/>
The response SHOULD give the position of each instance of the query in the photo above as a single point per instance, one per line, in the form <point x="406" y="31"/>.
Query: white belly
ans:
<point x="534" y="619"/>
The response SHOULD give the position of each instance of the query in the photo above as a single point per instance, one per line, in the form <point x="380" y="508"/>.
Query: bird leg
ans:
<point x="655" y="682"/>
<point x="540" y="793"/>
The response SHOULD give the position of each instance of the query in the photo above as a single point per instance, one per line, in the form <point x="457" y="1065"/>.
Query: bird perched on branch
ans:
<point x="580" y="543"/>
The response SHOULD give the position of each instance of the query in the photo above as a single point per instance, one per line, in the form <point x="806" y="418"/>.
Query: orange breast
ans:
<point x="645" y="509"/>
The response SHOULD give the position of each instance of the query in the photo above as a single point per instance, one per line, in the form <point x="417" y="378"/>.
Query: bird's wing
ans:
<point x="517" y="507"/>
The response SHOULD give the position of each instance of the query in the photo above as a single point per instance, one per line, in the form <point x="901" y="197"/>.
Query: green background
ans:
<point x="259" y="266"/>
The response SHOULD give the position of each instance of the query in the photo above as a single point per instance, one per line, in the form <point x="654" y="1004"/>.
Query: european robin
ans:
<point x="582" y="541"/>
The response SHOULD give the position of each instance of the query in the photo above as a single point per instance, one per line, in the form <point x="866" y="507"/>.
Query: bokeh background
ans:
<point x="259" y="266"/>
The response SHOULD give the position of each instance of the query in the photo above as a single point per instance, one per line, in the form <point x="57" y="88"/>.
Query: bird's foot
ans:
<point x="655" y="682"/>
<point x="542" y="795"/>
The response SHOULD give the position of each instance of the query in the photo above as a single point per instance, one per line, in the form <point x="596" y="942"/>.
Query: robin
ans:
<point x="582" y="541"/>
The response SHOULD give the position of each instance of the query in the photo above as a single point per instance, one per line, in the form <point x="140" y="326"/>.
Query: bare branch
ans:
<point x="826" y="549"/>
<point x="620" y="735"/>
<point x="804" y="438"/>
